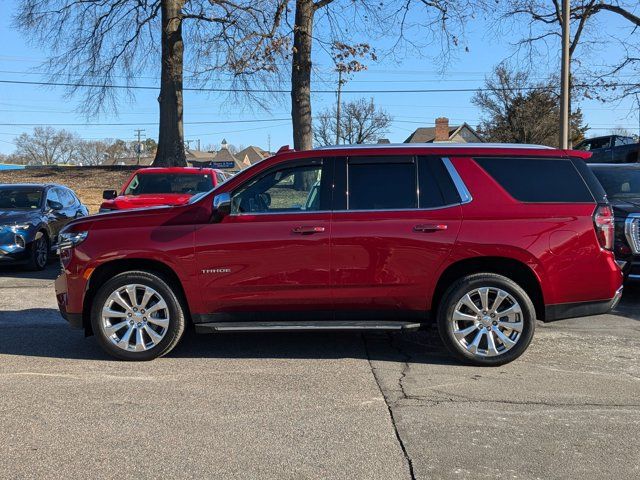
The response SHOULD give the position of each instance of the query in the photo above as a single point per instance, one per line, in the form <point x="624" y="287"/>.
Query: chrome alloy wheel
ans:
<point x="135" y="318"/>
<point x="487" y="321"/>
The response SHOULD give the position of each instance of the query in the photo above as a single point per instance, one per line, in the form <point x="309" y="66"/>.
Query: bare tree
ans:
<point x="539" y="23"/>
<point x="413" y="25"/>
<point x="518" y="110"/>
<point x="45" y="146"/>
<point x="96" y="46"/>
<point x="360" y="122"/>
<point x="90" y="152"/>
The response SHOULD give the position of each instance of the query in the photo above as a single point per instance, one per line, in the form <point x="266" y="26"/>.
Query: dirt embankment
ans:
<point x="87" y="182"/>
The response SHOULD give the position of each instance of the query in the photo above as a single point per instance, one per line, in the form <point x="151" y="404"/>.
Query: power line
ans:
<point x="321" y="91"/>
<point x="117" y="124"/>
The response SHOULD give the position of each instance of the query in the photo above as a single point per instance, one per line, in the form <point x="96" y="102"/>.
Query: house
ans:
<point x="443" y="132"/>
<point x="225" y="159"/>
<point x="251" y="155"/>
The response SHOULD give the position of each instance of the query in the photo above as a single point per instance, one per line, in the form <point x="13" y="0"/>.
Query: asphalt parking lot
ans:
<point x="372" y="406"/>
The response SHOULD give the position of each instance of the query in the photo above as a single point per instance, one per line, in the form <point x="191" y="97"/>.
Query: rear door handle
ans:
<point x="307" y="230"/>
<point x="429" y="227"/>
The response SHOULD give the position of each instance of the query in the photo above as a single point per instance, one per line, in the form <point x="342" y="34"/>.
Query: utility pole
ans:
<point x="564" y="73"/>
<point x="638" y="100"/>
<point x="139" y="132"/>
<point x="198" y="144"/>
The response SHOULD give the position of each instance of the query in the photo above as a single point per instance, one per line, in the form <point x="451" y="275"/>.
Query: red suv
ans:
<point x="482" y="239"/>
<point x="150" y="187"/>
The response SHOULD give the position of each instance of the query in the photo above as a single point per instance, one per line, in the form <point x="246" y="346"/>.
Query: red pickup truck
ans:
<point x="150" y="187"/>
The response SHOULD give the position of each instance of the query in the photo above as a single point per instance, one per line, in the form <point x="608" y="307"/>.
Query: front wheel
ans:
<point x="137" y="316"/>
<point x="486" y="319"/>
<point x="39" y="253"/>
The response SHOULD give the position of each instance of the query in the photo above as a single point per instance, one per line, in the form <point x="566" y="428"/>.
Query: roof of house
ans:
<point x="253" y="154"/>
<point x="428" y="134"/>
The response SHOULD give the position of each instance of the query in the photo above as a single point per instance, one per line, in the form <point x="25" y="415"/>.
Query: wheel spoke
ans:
<point x="484" y="298"/>
<point x="119" y="299"/>
<point x="466" y="300"/>
<point x="460" y="334"/>
<point x="492" y="351"/>
<point x="131" y="292"/>
<point x="124" y="341"/>
<point x="512" y="310"/>
<point x="158" y="306"/>
<point x="473" y="346"/>
<point x="148" y="293"/>
<point x="506" y="341"/>
<point x="110" y="313"/>
<point x="155" y="337"/>
<point x="498" y="300"/>
<point x="517" y="326"/>
<point x="111" y="329"/>
<point x="139" y="341"/>
<point x="458" y="316"/>
<point x="161" y="322"/>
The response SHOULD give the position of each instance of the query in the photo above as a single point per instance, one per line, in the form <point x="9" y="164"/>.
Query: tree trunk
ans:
<point x="171" y="150"/>
<point x="301" y="75"/>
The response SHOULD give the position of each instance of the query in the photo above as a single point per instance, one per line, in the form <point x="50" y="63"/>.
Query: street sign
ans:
<point x="227" y="164"/>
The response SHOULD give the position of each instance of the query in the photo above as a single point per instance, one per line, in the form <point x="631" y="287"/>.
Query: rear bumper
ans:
<point x="581" y="309"/>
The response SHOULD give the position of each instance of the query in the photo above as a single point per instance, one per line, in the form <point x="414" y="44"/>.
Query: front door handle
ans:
<point x="429" y="227"/>
<point x="307" y="230"/>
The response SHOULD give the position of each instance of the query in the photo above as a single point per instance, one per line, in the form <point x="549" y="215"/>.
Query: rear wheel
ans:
<point x="137" y="316"/>
<point x="39" y="253"/>
<point x="486" y="319"/>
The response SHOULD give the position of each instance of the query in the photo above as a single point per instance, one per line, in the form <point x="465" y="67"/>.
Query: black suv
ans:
<point x="622" y="184"/>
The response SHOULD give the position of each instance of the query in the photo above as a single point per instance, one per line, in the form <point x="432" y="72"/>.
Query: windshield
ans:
<point x="619" y="182"/>
<point x="191" y="184"/>
<point x="20" y="199"/>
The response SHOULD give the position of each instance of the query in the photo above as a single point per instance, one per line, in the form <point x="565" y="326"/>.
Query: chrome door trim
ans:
<point x="465" y="196"/>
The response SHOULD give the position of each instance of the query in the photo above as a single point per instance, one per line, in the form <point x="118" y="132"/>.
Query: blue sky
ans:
<point x="29" y="104"/>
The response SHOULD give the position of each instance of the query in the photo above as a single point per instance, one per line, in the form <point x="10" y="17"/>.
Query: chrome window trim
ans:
<point x="465" y="195"/>
<point x="631" y="226"/>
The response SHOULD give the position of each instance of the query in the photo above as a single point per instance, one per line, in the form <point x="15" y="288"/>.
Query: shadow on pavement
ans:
<point x="41" y="332"/>
<point x="21" y="271"/>
<point x="629" y="306"/>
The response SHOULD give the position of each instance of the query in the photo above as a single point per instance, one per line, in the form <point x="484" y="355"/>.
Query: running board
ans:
<point x="326" y="325"/>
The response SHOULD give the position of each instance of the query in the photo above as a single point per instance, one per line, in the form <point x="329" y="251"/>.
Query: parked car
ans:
<point x="31" y="217"/>
<point x="611" y="149"/>
<point x="481" y="239"/>
<point x="622" y="184"/>
<point x="149" y="187"/>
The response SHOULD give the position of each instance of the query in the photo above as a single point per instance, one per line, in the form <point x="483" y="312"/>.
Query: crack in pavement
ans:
<point x="407" y="458"/>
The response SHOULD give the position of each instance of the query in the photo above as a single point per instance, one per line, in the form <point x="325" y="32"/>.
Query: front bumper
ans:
<point x="581" y="309"/>
<point x="13" y="244"/>
<point x="62" y="297"/>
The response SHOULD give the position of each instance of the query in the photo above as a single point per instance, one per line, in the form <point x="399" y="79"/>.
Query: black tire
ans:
<point x="470" y="283"/>
<point x="39" y="252"/>
<point x="175" y="308"/>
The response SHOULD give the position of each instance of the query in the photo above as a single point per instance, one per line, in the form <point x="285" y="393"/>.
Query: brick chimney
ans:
<point x="442" y="129"/>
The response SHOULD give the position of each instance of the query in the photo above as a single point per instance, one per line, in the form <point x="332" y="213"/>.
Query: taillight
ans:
<point x="604" y="225"/>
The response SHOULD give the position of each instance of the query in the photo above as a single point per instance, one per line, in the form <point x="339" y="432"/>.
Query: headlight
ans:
<point x="16" y="227"/>
<point x="70" y="239"/>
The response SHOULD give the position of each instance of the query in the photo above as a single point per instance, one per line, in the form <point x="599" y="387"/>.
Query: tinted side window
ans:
<point x="538" y="179"/>
<point x="436" y="187"/>
<point x="382" y="183"/>
<point x="52" y="195"/>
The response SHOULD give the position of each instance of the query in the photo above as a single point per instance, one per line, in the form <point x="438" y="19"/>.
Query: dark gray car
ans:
<point x="31" y="216"/>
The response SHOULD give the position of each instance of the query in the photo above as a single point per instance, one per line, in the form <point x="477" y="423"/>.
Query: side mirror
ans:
<point x="53" y="205"/>
<point x="109" y="194"/>
<point x="221" y="206"/>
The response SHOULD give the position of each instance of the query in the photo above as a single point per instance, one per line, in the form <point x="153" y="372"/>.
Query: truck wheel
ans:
<point x="486" y="319"/>
<point x="137" y="316"/>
